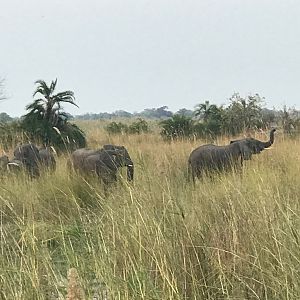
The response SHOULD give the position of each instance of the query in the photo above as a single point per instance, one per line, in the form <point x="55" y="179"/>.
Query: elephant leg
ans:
<point x="33" y="170"/>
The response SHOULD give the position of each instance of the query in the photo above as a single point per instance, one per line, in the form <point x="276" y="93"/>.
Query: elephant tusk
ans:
<point x="13" y="164"/>
<point x="129" y="165"/>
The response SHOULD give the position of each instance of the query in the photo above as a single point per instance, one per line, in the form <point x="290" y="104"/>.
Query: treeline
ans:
<point x="149" y="113"/>
<point x="47" y="121"/>
<point x="210" y="120"/>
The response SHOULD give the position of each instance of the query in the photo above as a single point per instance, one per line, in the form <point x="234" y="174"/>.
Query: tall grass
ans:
<point x="233" y="237"/>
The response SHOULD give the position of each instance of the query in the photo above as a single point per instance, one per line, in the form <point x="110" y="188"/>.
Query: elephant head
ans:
<point x="28" y="155"/>
<point x="121" y="158"/>
<point x="251" y="146"/>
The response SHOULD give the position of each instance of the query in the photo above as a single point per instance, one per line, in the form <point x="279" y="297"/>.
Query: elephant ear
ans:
<point x="246" y="150"/>
<point x="256" y="145"/>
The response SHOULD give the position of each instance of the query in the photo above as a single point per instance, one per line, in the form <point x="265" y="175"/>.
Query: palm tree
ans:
<point x="49" y="106"/>
<point x="205" y="110"/>
<point x="47" y="121"/>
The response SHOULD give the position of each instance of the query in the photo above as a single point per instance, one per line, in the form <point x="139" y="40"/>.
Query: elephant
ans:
<point x="208" y="158"/>
<point x="103" y="163"/>
<point x="122" y="159"/>
<point x="28" y="155"/>
<point x="47" y="159"/>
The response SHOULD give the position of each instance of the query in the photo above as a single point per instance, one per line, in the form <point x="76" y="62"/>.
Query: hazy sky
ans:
<point x="136" y="54"/>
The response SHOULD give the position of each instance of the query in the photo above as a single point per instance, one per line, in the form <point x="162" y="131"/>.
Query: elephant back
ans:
<point x="79" y="156"/>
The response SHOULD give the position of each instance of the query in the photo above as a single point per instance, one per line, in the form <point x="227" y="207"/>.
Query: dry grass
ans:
<point x="239" y="238"/>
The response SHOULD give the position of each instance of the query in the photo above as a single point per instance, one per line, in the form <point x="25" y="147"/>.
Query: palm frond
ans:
<point x="35" y="103"/>
<point x="67" y="97"/>
<point x="42" y="88"/>
<point x="53" y="85"/>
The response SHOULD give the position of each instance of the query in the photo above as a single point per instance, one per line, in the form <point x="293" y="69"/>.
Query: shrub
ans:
<point x="138" y="127"/>
<point x="116" y="128"/>
<point x="176" y="127"/>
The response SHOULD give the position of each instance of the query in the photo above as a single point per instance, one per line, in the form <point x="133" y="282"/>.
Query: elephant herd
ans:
<point x="28" y="157"/>
<point x="105" y="162"/>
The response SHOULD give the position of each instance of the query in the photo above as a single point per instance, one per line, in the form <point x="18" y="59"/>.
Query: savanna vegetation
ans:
<point x="160" y="238"/>
<point x="233" y="236"/>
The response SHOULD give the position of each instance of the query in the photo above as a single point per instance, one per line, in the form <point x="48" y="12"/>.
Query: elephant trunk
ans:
<point x="271" y="140"/>
<point x="130" y="172"/>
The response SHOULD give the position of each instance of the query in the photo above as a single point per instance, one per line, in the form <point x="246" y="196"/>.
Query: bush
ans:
<point x="210" y="129"/>
<point x="116" y="128"/>
<point x="138" y="127"/>
<point x="177" y="127"/>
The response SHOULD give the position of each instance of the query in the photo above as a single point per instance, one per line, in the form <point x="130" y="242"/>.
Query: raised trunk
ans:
<point x="271" y="140"/>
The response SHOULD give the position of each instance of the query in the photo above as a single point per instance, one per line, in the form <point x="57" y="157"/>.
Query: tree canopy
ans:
<point x="47" y="120"/>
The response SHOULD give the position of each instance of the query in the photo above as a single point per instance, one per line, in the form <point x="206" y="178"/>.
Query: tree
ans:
<point x="46" y="119"/>
<point x="49" y="106"/>
<point x="159" y="113"/>
<point x="185" y="112"/>
<point x="211" y="120"/>
<point x="5" y="118"/>
<point x="243" y="113"/>
<point x="205" y="111"/>
<point x="177" y="127"/>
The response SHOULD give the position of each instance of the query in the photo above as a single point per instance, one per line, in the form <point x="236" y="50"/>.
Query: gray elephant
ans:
<point x="28" y="155"/>
<point x="207" y="158"/>
<point x="103" y="163"/>
<point x="47" y="159"/>
<point x="122" y="159"/>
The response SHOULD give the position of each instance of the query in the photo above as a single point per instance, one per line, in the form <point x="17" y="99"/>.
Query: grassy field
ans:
<point x="234" y="237"/>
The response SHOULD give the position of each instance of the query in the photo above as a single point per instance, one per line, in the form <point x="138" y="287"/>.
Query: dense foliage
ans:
<point x="241" y="115"/>
<point x="178" y="126"/>
<point x="137" y="127"/>
<point x="48" y="122"/>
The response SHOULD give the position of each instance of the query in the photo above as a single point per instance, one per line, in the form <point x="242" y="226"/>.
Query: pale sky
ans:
<point x="136" y="54"/>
